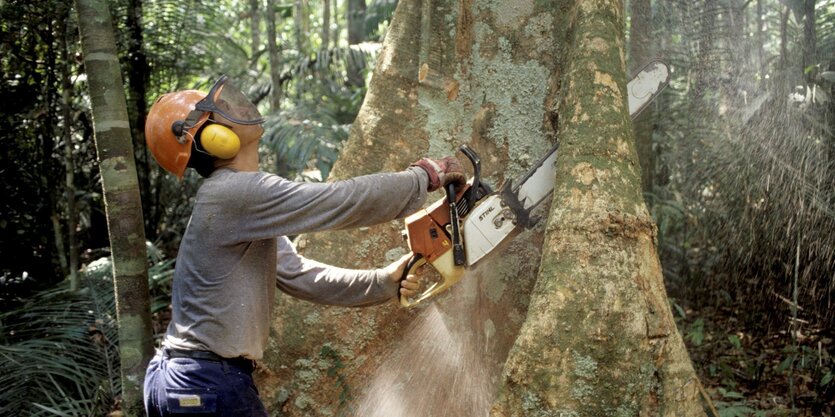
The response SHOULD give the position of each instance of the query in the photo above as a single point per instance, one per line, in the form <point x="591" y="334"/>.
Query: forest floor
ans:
<point x="760" y="372"/>
<point x="746" y="372"/>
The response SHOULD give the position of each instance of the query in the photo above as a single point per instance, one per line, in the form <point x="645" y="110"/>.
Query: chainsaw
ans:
<point x="458" y="231"/>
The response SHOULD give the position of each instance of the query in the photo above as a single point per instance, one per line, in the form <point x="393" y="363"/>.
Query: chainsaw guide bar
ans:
<point x="488" y="218"/>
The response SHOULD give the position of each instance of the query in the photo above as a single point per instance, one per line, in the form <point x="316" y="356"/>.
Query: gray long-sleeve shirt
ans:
<point x="234" y="253"/>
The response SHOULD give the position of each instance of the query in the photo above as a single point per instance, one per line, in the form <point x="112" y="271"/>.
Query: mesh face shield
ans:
<point x="228" y="101"/>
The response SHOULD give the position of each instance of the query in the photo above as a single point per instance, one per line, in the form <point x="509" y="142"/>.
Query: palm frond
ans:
<point x="307" y="135"/>
<point x="304" y="139"/>
<point x="59" y="352"/>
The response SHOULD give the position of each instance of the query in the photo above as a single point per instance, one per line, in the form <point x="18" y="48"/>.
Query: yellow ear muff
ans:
<point x="220" y="141"/>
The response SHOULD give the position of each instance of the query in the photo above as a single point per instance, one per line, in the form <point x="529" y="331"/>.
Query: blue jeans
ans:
<point x="176" y="386"/>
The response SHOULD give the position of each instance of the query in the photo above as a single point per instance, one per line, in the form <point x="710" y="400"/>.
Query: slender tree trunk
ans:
<point x="121" y="197"/>
<point x="59" y="245"/>
<point x="326" y="25"/>
<point x="784" y="20"/>
<point x="336" y="28"/>
<point x="356" y="34"/>
<point x="760" y="38"/>
<point x="69" y="163"/>
<point x="275" y="57"/>
<point x="300" y="19"/>
<point x="138" y="76"/>
<point x="255" y="28"/>
<point x="50" y="207"/>
<point x="489" y="74"/>
<point x="356" y="21"/>
<point x="809" y="41"/>
<point x="640" y="52"/>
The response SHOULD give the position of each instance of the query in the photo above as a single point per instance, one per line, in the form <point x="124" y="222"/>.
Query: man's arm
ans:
<point x="273" y="206"/>
<point x="325" y="284"/>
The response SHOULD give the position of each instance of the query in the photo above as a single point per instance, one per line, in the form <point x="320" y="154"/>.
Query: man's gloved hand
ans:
<point x="442" y="171"/>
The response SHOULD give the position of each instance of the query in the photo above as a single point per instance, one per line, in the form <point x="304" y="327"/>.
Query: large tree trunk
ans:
<point x="600" y="337"/>
<point x="121" y="198"/>
<point x="489" y="75"/>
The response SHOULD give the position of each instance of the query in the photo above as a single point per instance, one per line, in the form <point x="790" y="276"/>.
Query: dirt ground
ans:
<point x="751" y="371"/>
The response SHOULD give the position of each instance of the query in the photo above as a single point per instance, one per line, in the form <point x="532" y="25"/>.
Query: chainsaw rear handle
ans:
<point x="443" y="266"/>
<point x="450" y="274"/>
<point x="410" y="265"/>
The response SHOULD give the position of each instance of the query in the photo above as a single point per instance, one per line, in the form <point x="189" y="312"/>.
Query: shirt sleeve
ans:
<point x="325" y="284"/>
<point x="274" y="206"/>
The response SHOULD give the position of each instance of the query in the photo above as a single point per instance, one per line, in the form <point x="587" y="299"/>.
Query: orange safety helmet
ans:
<point x="171" y="151"/>
<point x="176" y="118"/>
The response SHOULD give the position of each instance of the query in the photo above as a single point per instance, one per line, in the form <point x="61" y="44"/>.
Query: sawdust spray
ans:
<point x="441" y="367"/>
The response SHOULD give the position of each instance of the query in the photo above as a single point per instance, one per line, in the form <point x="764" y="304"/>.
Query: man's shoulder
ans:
<point x="228" y="176"/>
<point x="241" y="184"/>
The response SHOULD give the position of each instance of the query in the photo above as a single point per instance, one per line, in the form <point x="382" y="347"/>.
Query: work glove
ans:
<point x="442" y="172"/>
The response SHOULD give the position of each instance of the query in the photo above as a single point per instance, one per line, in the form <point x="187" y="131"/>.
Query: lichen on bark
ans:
<point x="591" y="343"/>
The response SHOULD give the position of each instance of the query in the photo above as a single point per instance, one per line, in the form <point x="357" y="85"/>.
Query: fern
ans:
<point x="307" y="135"/>
<point x="60" y="351"/>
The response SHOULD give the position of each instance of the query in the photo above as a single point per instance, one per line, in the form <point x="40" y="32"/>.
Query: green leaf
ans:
<point x="696" y="334"/>
<point x="734" y="339"/>
<point x="736" y="411"/>
<point x="785" y="364"/>
<point x="679" y="309"/>
<point x="731" y="394"/>
<point x="826" y="379"/>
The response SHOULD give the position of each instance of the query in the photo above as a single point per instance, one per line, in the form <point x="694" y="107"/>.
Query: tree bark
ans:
<point x="336" y="28"/>
<point x="809" y="41"/>
<point x="784" y="41"/>
<point x="300" y="19"/>
<point x="599" y="338"/>
<point x="356" y="34"/>
<point x="275" y="58"/>
<point x="69" y="163"/>
<point x="255" y="29"/>
<point x="489" y="75"/>
<point x="356" y="21"/>
<point x="760" y="38"/>
<point x="49" y="207"/>
<point x="326" y="25"/>
<point x="121" y="197"/>
<point x="139" y="72"/>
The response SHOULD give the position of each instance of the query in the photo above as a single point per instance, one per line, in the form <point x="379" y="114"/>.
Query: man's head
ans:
<point x="216" y="125"/>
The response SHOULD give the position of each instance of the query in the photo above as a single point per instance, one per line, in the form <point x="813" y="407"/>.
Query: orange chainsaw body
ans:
<point x="426" y="229"/>
<point x="431" y="244"/>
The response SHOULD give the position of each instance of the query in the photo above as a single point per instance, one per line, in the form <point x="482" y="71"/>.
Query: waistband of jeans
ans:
<point x="207" y="356"/>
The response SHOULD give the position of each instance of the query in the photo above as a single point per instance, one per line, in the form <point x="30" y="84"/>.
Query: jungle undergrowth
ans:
<point x="746" y="370"/>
